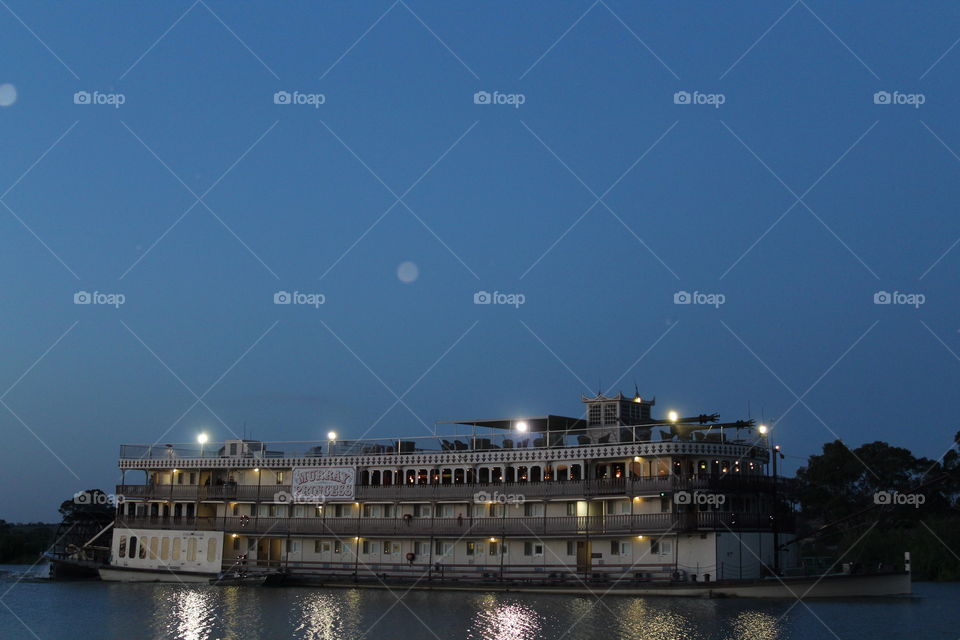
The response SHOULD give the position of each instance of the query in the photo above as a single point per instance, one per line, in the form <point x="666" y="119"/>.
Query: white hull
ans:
<point x="145" y="575"/>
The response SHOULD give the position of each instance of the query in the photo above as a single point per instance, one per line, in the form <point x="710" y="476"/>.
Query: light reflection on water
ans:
<point x="504" y="621"/>
<point x="71" y="611"/>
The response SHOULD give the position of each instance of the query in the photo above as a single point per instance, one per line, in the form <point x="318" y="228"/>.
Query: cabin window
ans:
<point x="446" y="476"/>
<point x="388" y="511"/>
<point x="375" y="478"/>
<point x="192" y="550"/>
<point x="293" y="546"/>
<point x="388" y="477"/>
<point x="661" y="547"/>
<point x="511" y="474"/>
<point x="484" y="475"/>
<point x="386" y="547"/>
<point x="236" y="543"/>
<point x="421" y="510"/>
<point x="614" y="547"/>
<point x="366" y="547"/>
<point x="571" y="508"/>
<point x="443" y="548"/>
<point x="142" y="553"/>
<point x="190" y="510"/>
<point x="471" y="548"/>
<point x="365" y="477"/>
<point x="122" y="548"/>
<point x="532" y="548"/>
<point x="423" y="477"/>
<point x="411" y="476"/>
<point x="212" y="550"/>
<point x="535" y="474"/>
<point x="165" y="549"/>
<point x="575" y="472"/>
<point x="280" y="477"/>
<point x="337" y="546"/>
<point x="176" y="550"/>
<point x="610" y="413"/>
<point x="497" y="474"/>
<point x="563" y="472"/>
<point x="318" y="510"/>
<point x="458" y="476"/>
<point x="133" y="547"/>
<point x="522" y="474"/>
<point x="421" y="548"/>
<point x="571" y="548"/>
<point x="594" y="414"/>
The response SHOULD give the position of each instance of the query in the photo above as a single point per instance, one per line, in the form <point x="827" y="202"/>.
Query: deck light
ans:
<point x="522" y="427"/>
<point x="762" y="429"/>
<point x="639" y="537"/>
<point x="256" y="469"/>
<point x="493" y="539"/>
<point x="672" y="416"/>
<point x="202" y="439"/>
<point x="331" y="435"/>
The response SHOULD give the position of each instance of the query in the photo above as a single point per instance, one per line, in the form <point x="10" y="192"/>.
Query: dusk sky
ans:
<point x="788" y="163"/>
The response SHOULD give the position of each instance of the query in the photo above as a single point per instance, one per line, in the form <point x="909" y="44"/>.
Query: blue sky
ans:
<point x="598" y="199"/>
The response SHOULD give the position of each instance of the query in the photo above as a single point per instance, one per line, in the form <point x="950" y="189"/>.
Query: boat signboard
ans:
<point x="323" y="484"/>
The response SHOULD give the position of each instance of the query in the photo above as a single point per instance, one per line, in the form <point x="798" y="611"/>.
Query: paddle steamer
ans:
<point x="673" y="504"/>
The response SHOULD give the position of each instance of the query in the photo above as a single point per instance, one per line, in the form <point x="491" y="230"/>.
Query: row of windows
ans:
<point x="444" y="548"/>
<point x="451" y="475"/>
<point x="161" y="547"/>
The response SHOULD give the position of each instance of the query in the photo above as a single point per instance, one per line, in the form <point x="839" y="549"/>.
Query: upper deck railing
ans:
<point x="458" y="443"/>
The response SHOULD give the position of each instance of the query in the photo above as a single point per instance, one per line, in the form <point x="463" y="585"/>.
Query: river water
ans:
<point x="44" y="610"/>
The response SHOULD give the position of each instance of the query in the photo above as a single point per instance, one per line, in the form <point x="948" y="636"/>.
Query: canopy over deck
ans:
<point x="536" y="424"/>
